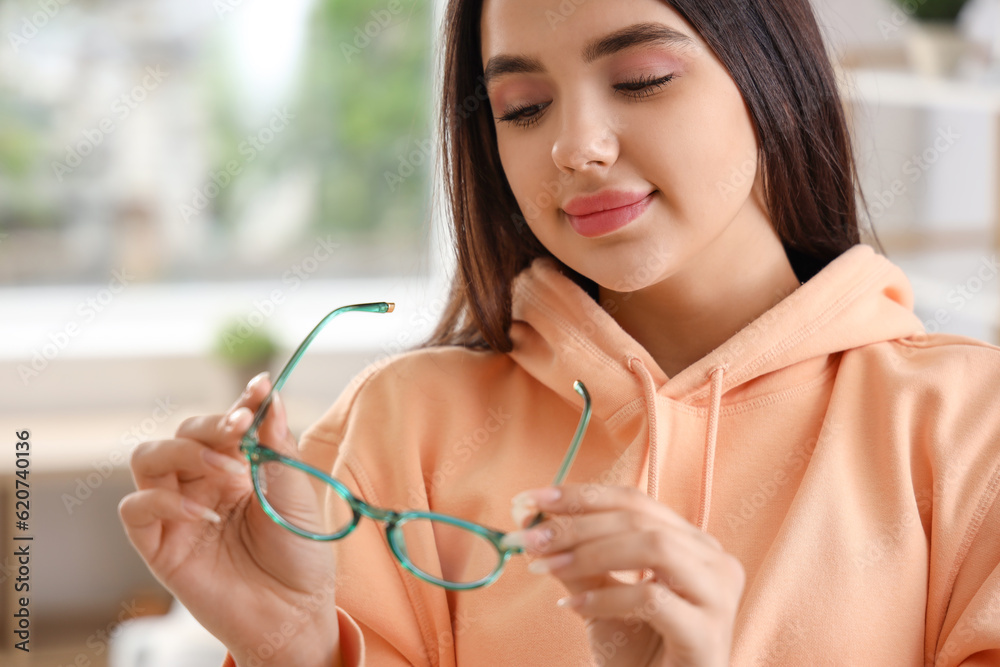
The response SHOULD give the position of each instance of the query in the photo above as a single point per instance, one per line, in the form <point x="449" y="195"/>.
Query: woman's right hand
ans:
<point x="266" y="593"/>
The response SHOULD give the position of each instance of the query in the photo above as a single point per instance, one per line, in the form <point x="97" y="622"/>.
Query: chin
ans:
<point x="646" y="268"/>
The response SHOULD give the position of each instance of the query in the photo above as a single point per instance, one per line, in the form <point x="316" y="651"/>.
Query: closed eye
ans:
<point x="528" y="114"/>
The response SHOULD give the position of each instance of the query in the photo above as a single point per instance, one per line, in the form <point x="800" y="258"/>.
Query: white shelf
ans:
<point x="900" y="88"/>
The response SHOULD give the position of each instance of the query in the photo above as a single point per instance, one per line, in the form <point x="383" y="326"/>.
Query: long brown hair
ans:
<point x="774" y="51"/>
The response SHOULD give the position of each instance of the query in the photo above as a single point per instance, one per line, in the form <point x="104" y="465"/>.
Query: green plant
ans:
<point x="238" y="344"/>
<point x="932" y="10"/>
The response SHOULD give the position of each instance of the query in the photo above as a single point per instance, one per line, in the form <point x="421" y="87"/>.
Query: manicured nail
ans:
<point x="544" y="565"/>
<point x="522" y="511"/>
<point x="200" y="511"/>
<point x="236" y="417"/>
<point x="513" y="540"/>
<point x="252" y="384"/>
<point x="538" y="496"/>
<point x="535" y="538"/>
<point x="574" y="601"/>
<point x="249" y="388"/>
<point x="223" y="462"/>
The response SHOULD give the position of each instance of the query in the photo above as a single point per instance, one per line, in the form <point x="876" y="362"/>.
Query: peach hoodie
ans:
<point x="848" y="459"/>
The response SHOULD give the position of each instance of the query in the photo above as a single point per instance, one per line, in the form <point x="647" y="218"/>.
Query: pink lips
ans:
<point x="606" y="212"/>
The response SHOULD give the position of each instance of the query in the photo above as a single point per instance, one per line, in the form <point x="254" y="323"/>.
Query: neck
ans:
<point x="738" y="277"/>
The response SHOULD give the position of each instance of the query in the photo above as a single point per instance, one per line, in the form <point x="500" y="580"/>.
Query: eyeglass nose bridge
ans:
<point x="378" y="514"/>
<point x="397" y="544"/>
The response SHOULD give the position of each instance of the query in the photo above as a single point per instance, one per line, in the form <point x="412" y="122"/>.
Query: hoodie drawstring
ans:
<point x="652" y="483"/>
<point x="637" y="366"/>
<point x="710" y="437"/>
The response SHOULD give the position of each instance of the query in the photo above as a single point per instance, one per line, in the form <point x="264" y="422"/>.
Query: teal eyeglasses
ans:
<point x="468" y="555"/>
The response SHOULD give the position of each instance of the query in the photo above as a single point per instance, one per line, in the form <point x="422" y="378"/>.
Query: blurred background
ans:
<point x="187" y="187"/>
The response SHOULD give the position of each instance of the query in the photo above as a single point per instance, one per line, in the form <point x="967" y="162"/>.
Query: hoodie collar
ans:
<point x="561" y="334"/>
<point x="649" y="392"/>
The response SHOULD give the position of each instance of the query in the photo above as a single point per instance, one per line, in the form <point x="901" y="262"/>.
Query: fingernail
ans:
<point x="236" y="417"/>
<point x="544" y="565"/>
<point x="538" y="496"/>
<point x="249" y="388"/>
<point x="223" y="462"/>
<point x="513" y="540"/>
<point x="521" y="511"/>
<point x="573" y="601"/>
<point x="254" y="382"/>
<point x="200" y="511"/>
<point x="534" y="538"/>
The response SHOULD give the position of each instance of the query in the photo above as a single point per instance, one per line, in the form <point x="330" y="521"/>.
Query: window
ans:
<point x="214" y="141"/>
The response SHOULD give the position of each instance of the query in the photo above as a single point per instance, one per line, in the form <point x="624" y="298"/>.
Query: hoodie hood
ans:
<point x="561" y="334"/>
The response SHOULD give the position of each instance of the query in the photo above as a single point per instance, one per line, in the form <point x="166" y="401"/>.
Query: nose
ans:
<point x="587" y="139"/>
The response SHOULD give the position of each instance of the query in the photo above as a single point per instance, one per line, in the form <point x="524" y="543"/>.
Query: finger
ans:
<point x="579" y="499"/>
<point x="560" y="532"/>
<point x="143" y="512"/>
<point x="223" y="432"/>
<point x="254" y="393"/>
<point x="272" y="428"/>
<point x="165" y="462"/>
<point x="687" y="567"/>
<point x="273" y="431"/>
<point x="646" y="602"/>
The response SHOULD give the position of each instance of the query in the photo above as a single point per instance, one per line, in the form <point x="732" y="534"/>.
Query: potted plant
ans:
<point x="935" y="44"/>
<point x="245" y="349"/>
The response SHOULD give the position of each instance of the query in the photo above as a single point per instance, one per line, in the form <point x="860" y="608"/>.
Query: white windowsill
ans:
<point x="184" y="319"/>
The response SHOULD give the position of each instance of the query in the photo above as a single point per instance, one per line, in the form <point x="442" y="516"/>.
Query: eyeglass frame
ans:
<point x="258" y="454"/>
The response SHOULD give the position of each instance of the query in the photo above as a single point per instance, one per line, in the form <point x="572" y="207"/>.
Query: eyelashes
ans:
<point x="635" y="89"/>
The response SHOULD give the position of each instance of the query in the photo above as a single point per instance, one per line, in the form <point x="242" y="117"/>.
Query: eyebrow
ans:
<point x="634" y="35"/>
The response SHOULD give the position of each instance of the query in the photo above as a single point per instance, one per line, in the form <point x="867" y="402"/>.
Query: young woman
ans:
<point x="781" y="467"/>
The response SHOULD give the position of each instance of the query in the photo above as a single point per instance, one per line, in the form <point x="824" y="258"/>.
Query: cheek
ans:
<point x="738" y="161"/>
<point x="731" y="155"/>
<point x="524" y="167"/>
<point x="703" y="157"/>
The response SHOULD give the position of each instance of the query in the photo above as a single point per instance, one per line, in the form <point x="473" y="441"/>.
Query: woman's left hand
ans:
<point x="682" y="617"/>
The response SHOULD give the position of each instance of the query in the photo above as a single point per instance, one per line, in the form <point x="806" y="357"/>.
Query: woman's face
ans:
<point x="655" y="118"/>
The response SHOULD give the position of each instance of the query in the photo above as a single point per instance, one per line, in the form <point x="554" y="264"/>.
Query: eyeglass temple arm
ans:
<point x="574" y="446"/>
<point x="279" y="382"/>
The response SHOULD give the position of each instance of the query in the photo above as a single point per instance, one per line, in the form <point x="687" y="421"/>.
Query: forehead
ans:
<point x="537" y="28"/>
